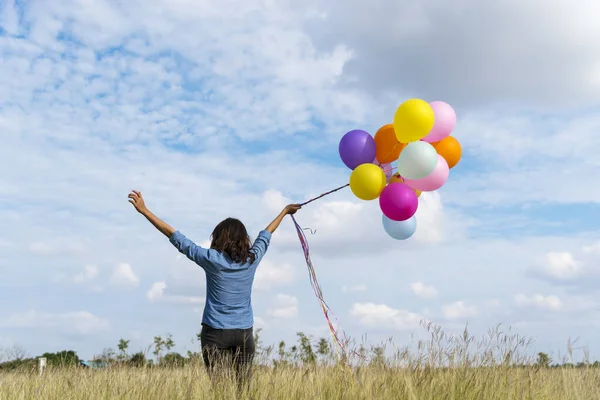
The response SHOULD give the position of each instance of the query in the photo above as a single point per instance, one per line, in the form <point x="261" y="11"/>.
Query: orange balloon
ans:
<point x="388" y="147"/>
<point x="396" y="178"/>
<point x="450" y="149"/>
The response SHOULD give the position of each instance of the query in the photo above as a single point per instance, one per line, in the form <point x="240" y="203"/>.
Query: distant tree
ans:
<point x="15" y="352"/>
<point x="194" y="357"/>
<point x="62" y="358"/>
<point x="173" y="360"/>
<point x="282" y="359"/>
<point x="543" y="360"/>
<point x="281" y="352"/>
<point x="108" y="356"/>
<point x="158" y="347"/>
<point x="169" y="343"/>
<point x="122" y="346"/>
<point x="138" y="359"/>
<point x="293" y="354"/>
<point x="307" y="355"/>
<point x="161" y="344"/>
<point x="25" y="364"/>
<point x="323" y="349"/>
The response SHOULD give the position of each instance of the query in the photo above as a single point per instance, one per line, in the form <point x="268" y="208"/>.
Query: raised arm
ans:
<point x="137" y="200"/>
<point x="264" y="237"/>
<point x="290" y="209"/>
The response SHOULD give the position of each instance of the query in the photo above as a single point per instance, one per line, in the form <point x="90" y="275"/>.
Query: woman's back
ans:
<point x="228" y="283"/>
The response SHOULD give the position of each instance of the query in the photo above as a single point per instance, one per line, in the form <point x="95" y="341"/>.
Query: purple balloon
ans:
<point x="398" y="202"/>
<point x="357" y="147"/>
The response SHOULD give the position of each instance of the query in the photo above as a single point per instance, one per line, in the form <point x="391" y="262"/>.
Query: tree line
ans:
<point x="305" y="352"/>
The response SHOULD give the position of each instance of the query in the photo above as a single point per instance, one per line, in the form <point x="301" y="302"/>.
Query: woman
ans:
<point x="229" y="265"/>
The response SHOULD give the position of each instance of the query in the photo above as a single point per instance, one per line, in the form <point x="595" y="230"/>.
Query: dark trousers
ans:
<point x="228" y="350"/>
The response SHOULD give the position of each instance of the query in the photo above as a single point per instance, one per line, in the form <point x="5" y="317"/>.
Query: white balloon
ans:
<point x="417" y="160"/>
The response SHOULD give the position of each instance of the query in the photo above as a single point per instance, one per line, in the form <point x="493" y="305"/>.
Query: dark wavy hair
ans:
<point x="230" y="237"/>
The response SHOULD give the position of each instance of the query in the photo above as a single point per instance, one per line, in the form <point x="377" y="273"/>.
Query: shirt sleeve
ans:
<point x="261" y="244"/>
<point x="190" y="249"/>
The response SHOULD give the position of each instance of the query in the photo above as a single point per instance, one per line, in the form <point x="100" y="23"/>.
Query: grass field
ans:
<point x="496" y="367"/>
<point x="319" y="383"/>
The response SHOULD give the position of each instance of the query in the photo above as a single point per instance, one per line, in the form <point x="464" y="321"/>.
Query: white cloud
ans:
<point x="356" y="288"/>
<point x="459" y="310"/>
<point x="260" y="323"/>
<point x="275" y="200"/>
<point x="493" y="303"/>
<point x="592" y="249"/>
<point x="423" y="290"/>
<point x="123" y="275"/>
<point x="156" y="293"/>
<point x="551" y="302"/>
<point x="89" y="273"/>
<point x="431" y="220"/>
<point x="9" y="19"/>
<point x="269" y="275"/>
<point x="285" y="307"/>
<point x="338" y="215"/>
<point x="81" y="322"/>
<point x="381" y="315"/>
<point x="562" y="265"/>
<point x="381" y="51"/>
<point x="56" y="247"/>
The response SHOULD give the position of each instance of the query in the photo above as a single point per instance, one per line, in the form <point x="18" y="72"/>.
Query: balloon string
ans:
<point x="335" y="190"/>
<point x="327" y="312"/>
<point x="325" y="194"/>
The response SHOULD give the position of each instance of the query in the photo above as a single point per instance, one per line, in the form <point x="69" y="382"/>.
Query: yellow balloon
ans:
<point x="367" y="181"/>
<point x="418" y="192"/>
<point x="413" y="120"/>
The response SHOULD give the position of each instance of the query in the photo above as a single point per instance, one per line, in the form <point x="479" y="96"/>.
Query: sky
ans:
<point x="236" y="108"/>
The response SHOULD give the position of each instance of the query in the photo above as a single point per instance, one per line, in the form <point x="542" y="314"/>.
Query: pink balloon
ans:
<point x="433" y="181"/>
<point x="445" y="120"/>
<point x="398" y="202"/>
<point x="387" y="169"/>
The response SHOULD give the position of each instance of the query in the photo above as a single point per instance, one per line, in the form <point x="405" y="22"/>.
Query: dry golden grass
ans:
<point x="457" y="368"/>
<point x="191" y="382"/>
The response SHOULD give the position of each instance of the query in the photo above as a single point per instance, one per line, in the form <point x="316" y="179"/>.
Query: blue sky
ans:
<point x="216" y="109"/>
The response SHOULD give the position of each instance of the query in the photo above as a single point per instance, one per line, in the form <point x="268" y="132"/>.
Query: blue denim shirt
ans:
<point x="228" y="284"/>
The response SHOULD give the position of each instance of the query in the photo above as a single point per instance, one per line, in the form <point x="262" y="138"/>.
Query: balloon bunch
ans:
<point x="419" y="141"/>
